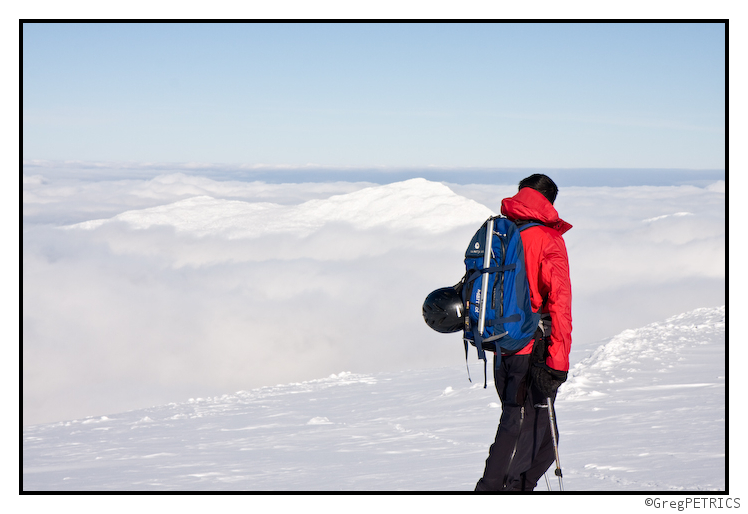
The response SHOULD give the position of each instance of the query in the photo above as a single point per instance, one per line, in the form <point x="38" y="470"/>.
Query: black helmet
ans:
<point x="443" y="310"/>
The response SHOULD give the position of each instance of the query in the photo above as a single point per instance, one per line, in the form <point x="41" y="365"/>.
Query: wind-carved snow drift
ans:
<point x="653" y="350"/>
<point x="643" y="412"/>
<point x="652" y="401"/>
<point x="412" y="204"/>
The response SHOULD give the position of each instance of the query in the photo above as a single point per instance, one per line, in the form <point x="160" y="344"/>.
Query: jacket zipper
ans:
<point x="516" y="443"/>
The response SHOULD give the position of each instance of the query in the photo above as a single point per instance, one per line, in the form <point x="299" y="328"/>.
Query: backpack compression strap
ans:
<point x="481" y="355"/>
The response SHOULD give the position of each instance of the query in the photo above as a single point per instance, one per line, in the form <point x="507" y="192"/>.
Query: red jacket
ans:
<point x="547" y="266"/>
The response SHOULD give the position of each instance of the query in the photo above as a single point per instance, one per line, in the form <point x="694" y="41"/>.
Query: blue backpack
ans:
<point x="501" y="318"/>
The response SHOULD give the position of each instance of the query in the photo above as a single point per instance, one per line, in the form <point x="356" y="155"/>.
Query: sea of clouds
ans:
<point x="146" y="288"/>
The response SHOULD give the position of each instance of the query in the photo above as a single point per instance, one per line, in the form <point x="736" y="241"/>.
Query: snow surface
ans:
<point x="416" y="203"/>
<point x="643" y="412"/>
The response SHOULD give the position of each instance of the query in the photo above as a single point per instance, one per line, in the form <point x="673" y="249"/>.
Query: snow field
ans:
<point x="643" y="412"/>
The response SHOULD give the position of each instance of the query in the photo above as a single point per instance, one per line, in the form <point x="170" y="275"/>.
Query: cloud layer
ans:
<point x="154" y="305"/>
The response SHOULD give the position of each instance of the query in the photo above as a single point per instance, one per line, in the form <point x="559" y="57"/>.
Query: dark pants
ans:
<point x="523" y="448"/>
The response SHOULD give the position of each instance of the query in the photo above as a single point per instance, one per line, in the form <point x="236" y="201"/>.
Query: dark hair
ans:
<point x="541" y="183"/>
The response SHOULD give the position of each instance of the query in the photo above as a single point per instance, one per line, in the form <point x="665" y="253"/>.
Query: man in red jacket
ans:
<point x="523" y="448"/>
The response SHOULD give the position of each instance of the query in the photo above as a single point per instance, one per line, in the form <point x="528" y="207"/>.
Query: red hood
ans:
<point x="530" y="204"/>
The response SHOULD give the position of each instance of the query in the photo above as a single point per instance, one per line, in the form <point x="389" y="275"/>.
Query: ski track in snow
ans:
<point x="643" y="412"/>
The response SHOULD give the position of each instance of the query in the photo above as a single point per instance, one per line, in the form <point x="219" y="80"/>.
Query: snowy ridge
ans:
<point x="412" y="204"/>
<point x="656" y="348"/>
<point x="675" y="214"/>
<point x="650" y="406"/>
<point x="340" y="379"/>
<point x="644" y="412"/>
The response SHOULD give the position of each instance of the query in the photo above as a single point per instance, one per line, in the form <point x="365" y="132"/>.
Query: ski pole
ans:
<point x="552" y="417"/>
<point x="484" y="280"/>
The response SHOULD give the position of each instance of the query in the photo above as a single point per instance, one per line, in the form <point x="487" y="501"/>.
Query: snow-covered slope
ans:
<point x="645" y="411"/>
<point x="415" y="203"/>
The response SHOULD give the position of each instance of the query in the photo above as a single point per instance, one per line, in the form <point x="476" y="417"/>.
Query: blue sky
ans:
<point x="360" y="95"/>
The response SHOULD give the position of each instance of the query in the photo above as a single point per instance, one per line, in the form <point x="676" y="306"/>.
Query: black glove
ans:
<point x="546" y="379"/>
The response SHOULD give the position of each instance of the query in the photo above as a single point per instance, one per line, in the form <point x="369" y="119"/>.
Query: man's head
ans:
<point x="541" y="183"/>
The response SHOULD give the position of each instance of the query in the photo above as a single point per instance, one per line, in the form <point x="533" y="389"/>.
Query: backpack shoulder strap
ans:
<point x="525" y="224"/>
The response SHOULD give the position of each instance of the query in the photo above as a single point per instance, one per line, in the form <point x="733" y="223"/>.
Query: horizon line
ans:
<point x="203" y="165"/>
